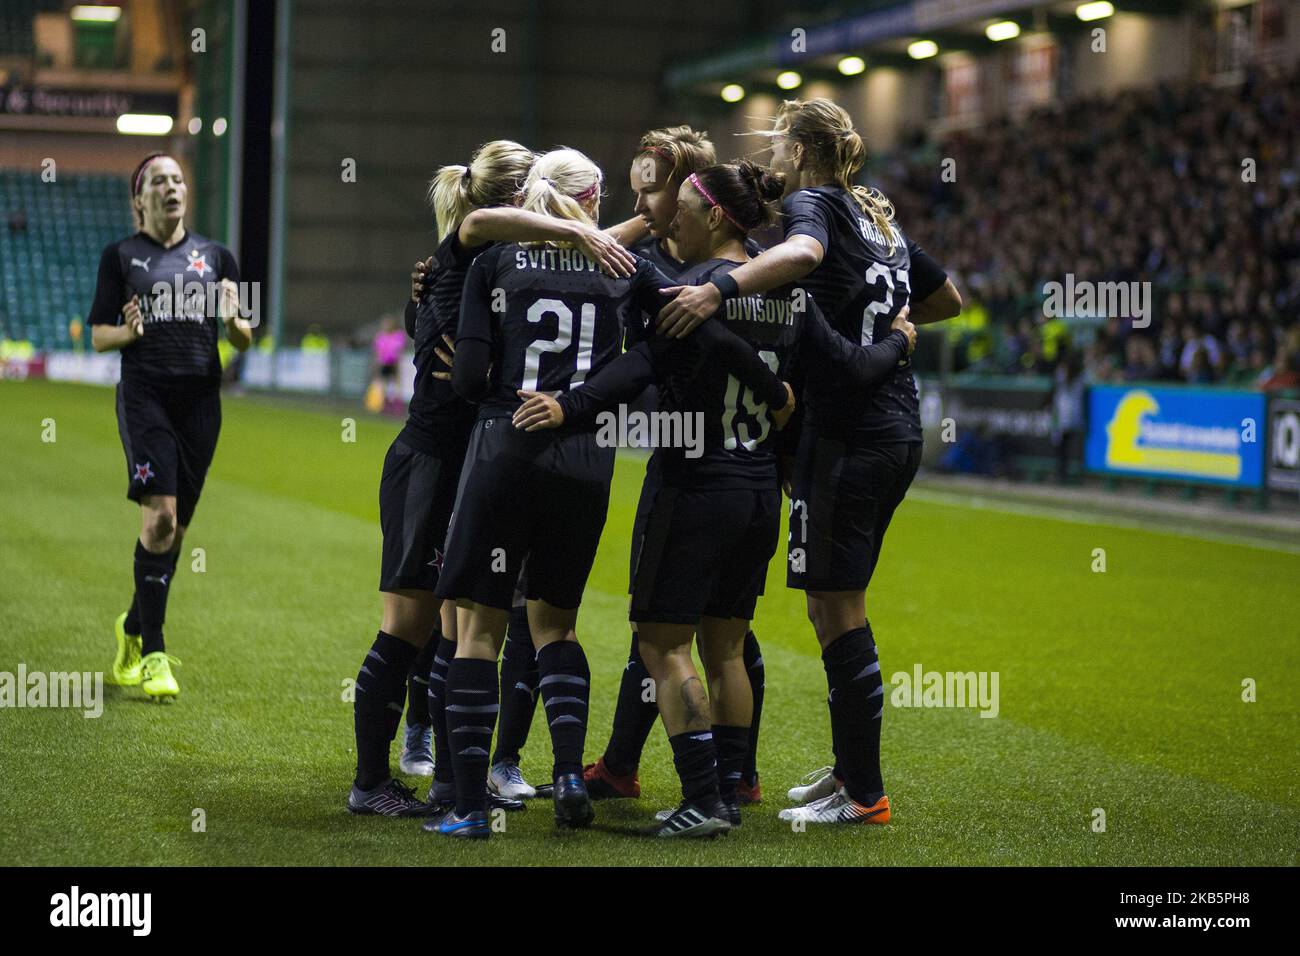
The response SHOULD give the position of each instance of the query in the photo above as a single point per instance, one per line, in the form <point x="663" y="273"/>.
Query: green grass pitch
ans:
<point x="1119" y="690"/>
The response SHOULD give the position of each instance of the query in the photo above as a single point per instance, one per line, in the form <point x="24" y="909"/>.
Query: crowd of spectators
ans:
<point x="1194" y="189"/>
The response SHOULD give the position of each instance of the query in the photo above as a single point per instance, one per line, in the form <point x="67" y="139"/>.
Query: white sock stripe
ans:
<point x="562" y="678"/>
<point x="548" y="701"/>
<point x="872" y="668"/>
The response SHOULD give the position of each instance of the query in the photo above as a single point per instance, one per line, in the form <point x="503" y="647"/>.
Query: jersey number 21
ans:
<point x="563" y="339"/>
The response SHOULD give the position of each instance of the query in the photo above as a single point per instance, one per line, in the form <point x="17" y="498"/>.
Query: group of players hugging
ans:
<point x="529" y="322"/>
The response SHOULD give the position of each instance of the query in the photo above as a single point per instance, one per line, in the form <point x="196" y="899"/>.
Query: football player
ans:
<point x="860" y="446"/>
<point x="713" y="519"/>
<point x="663" y="160"/>
<point x="420" y="476"/>
<point x="538" y="317"/>
<point x="163" y="297"/>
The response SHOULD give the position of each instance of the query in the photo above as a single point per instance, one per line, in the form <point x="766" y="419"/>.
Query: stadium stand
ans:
<point x="1224" y="263"/>
<point x="16" y="19"/>
<point x="51" y="236"/>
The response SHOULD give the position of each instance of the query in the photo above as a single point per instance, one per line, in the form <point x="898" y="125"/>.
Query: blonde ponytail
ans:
<point x="449" y="198"/>
<point x="850" y="156"/>
<point x="825" y="131"/>
<point x="559" y="183"/>
<point x="494" y="177"/>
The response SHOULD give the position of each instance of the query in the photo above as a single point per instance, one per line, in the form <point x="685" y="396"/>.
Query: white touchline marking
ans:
<point x="981" y="503"/>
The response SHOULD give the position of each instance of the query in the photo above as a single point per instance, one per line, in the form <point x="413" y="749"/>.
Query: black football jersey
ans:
<point x="179" y="345"/>
<point x="792" y="337"/>
<point x="550" y="317"/>
<point x="656" y="250"/>
<point x="703" y="376"/>
<point x="434" y="405"/>
<point x="738" y="437"/>
<point x="861" y="285"/>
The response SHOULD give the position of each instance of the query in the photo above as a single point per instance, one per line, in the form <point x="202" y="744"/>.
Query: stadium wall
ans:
<point x="79" y="153"/>
<point x="350" y="246"/>
<point x="1145" y="431"/>
<point x="1140" y="51"/>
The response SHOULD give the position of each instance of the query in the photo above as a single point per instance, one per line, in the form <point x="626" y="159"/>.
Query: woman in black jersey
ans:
<point x="421" y="472"/>
<point x="663" y="160"/>
<point x="537" y="317"/>
<point x="169" y="396"/>
<point x="860" y="447"/>
<point x="519" y="661"/>
<point x="711" y="527"/>
<point x="661" y="163"/>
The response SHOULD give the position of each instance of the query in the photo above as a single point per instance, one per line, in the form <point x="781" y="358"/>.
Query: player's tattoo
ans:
<point x="696" y="701"/>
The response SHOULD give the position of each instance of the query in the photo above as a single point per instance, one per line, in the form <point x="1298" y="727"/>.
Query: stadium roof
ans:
<point x="878" y="24"/>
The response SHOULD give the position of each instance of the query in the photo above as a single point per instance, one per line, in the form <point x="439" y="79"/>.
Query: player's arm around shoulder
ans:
<point x="784" y="263"/>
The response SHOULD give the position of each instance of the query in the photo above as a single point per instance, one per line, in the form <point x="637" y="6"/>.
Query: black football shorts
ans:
<point x="416" y="494"/>
<point x="539" y="497"/>
<point x="703" y="553"/>
<point x="844" y="498"/>
<point x="169" y="435"/>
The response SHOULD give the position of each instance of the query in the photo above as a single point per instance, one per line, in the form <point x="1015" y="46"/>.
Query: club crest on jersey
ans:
<point x="142" y="263"/>
<point x="197" y="264"/>
<point x="143" y="472"/>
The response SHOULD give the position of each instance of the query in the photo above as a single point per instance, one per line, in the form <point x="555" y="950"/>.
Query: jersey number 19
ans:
<point x="736" y="434"/>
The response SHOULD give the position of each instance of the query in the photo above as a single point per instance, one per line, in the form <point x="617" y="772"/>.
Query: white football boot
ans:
<point x="817" y="785"/>
<point x="506" y="780"/>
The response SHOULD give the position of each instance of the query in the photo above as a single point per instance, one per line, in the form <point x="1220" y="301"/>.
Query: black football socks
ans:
<point x="757" y="682"/>
<point x="518" y="688"/>
<point x="443" y="653"/>
<point x="856" y="704"/>
<point x="731" y="744"/>
<point x="377" y="707"/>
<point x="697" y="767"/>
<point x="565" y="685"/>
<point x="417" y="684"/>
<point x="153" y="576"/>
<point x="132" y="623"/>
<point x="634" y="716"/>
<point x="473" y="699"/>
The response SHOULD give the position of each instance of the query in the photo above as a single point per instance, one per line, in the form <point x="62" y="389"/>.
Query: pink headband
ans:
<point x="695" y="181"/>
<point x="587" y="193"/>
<point x="139" y="173"/>
<point x="661" y="153"/>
